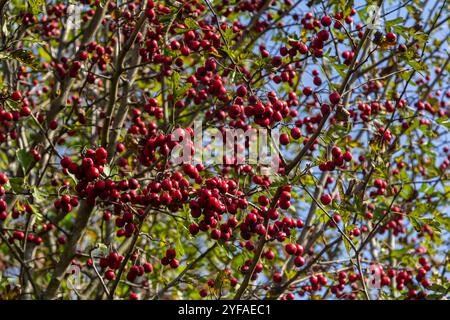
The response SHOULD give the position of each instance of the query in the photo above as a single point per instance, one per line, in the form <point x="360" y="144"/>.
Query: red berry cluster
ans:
<point x="280" y="230"/>
<point x="343" y="280"/>
<point x="338" y="160"/>
<point x="316" y="282"/>
<point x="211" y="202"/>
<point x="169" y="259"/>
<point x="269" y="113"/>
<point x="169" y="192"/>
<point x="88" y="174"/>
<point x="36" y="234"/>
<point x="3" y="205"/>
<point x="381" y="186"/>
<point x="66" y="203"/>
<point x="157" y="145"/>
<point x="348" y="57"/>
<point x="3" y="180"/>
<point x="385" y="135"/>
<point x="9" y="119"/>
<point x="297" y="251"/>
<point x="309" y="122"/>
<point x="258" y="268"/>
<point x="138" y="271"/>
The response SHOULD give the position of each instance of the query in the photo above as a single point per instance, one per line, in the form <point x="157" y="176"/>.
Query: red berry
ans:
<point x="335" y="98"/>
<point x="326" y="199"/>
<point x="284" y="139"/>
<point x="277" y="277"/>
<point x="323" y="35"/>
<point x="290" y="296"/>
<point x="391" y="37"/>
<point x="148" y="267"/>
<point x="263" y="200"/>
<point x="101" y="153"/>
<point x="171" y="253"/>
<point x="336" y="152"/>
<point x="299" y="250"/>
<point x="53" y="125"/>
<point x="296" y="133"/>
<point x="325" y="109"/>
<point x="242" y="91"/>
<point x="326" y="21"/>
<point x="134" y="296"/>
<point x="194" y="229"/>
<point x="307" y="91"/>
<point x="299" y="261"/>
<point x="110" y="275"/>
<point x="291" y="248"/>
<point x="3" y="179"/>
<point x="348" y="156"/>
<point x="83" y="55"/>
<point x="174" y="263"/>
<point x="203" y="293"/>
<point x="25" y="111"/>
<point x="303" y="48"/>
<point x="16" y="96"/>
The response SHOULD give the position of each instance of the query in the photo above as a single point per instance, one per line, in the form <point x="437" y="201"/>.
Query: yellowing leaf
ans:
<point x="35" y="6"/>
<point x="25" y="57"/>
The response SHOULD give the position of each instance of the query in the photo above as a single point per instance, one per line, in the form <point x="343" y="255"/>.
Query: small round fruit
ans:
<point x="284" y="139"/>
<point x="242" y="91"/>
<point x="16" y="96"/>
<point x="335" y="98"/>
<point x="326" y="199"/>
<point x="296" y="133"/>
<point x="110" y="275"/>
<point x="326" y="21"/>
<point x="291" y="248"/>
<point x="391" y="37"/>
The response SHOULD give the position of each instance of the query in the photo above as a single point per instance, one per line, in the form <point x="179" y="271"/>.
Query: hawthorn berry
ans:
<point x="325" y="199"/>
<point x="391" y="37"/>
<point x="16" y="96"/>
<point x="284" y="139"/>
<point x="335" y="98"/>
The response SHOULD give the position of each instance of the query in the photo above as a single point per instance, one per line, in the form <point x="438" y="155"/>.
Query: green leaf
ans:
<point x="191" y="24"/>
<point x="74" y="179"/>
<point x="176" y="79"/>
<point x="229" y="250"/>
<point x="35" y="6"/>
<point x="36" y="212"/>
<point x="438" y="288"/>
<point x="403" y="31"/>
<point x="25" y="57"/>
<point x="178" y="244"/>
<point x="17" y="184"/>
<point x="34" y="41"/>
<point x="39" y="195"/>
<point x="293" y="236"/>
<point x="407" y="192"/>
<point x="393" y="22"/>
<point x="340" y="68"/>
<point x="405" y="75"/>
<point x="399" y="252"/>
<point x="444" y="121"/>
<point x="348" y="247"/>
<point x="182" y="90"/>
<point x="25" y="159"/>
<point x="414" y="11"/>
<point x="417" y="65"/>
<point x="228" y="34"/>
